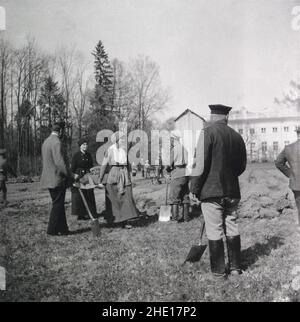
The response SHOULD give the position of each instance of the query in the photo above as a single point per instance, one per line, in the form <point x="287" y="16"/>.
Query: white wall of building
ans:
<point x="279" y="130"/>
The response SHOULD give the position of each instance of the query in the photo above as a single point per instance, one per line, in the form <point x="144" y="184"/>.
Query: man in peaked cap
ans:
<point x="179" y="184"/>
<point x="5" y="169"/>
<point x="222" y="154"/>
<point x="288" y="162"/>
<point x="55" y="177"/>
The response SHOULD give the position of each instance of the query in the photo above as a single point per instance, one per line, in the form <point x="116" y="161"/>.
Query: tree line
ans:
<point x="38" y="89"/>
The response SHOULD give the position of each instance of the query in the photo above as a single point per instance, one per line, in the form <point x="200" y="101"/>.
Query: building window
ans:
<point x="286" y="129"/>
<point x="252" y="146"/>
<point x="275" y="146"/>
<point x="274" y="129"/>
<point x="241" y="131"/>
<point x="252" y="131"/>
<point x="263" y="130"/>
<point x="286" y="142"/>
<point x="264" y="146"/>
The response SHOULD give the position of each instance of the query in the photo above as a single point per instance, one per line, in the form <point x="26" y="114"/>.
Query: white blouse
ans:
<point x="117" y="155"/>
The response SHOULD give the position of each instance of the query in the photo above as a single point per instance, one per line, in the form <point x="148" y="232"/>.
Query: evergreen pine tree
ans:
<point x="104" y="80"/>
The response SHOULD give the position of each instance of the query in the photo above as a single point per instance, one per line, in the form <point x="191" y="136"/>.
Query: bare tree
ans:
<point x="81" y="93"/>
<point x="149" y="95"/>
<point x="291" y="98"/>
<point x="5" y="61"/>
<point x="67" y="74"/>
<point x="123" y="95"/>
<point x="29" y="70"/>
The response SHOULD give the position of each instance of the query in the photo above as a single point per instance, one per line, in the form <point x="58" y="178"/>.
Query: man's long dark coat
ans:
<point x="222" y="159"/>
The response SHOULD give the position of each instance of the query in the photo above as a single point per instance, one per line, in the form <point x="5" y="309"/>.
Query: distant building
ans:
<point x="190" y="124"/>
<point x="265" y="133"/>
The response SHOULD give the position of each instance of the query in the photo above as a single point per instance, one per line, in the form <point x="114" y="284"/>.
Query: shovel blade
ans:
<point x="195" y="253"/>
<point x="164" y="213"/>
<point x="95" y="226"/>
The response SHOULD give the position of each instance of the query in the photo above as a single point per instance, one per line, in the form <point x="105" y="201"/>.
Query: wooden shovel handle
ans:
<point x="85" y="204"/>
<point x="202" y="231"/>
<point x="167" y="193"/>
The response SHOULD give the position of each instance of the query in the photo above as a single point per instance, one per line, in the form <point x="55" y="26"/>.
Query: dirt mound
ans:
<point x="264" y="195"/>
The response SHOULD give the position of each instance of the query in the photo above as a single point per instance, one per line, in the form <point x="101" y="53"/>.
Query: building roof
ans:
<point x="186" y="112"/>
<point x="271" y="113"/>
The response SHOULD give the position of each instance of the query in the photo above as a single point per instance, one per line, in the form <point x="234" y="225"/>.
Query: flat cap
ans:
<point x="219" y="109"/>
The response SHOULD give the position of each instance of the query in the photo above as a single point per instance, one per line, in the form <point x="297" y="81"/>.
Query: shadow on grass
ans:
<point x="80" y="231"/>
<point x="252" y="254"/>
<point x="142" y="221"/>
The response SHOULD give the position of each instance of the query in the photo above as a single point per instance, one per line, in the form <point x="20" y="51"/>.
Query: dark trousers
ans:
<point x="57" y="221"/>
<point x="179" y="191"/>
<point x="297" y="199"/>
<point x="3" y="189"/>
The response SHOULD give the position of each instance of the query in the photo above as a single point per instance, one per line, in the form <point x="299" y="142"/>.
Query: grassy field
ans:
<point x="145" y="263"/>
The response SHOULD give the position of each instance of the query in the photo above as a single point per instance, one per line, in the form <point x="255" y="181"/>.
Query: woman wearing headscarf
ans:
<point x="114" y="175"/>
<point x="82" y="162"/>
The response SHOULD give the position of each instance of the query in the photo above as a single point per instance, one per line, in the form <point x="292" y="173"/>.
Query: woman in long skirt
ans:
<point x="82" y="162"/>
<point x="114" y="175"/>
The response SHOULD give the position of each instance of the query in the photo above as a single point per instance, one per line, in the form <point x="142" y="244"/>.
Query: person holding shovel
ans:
<point x="5" y="169"/>
<point x="179" y="181"/>
<point x="82" y="162"/>
<point x="288" y="162"/>
<point x="221" y="156"/>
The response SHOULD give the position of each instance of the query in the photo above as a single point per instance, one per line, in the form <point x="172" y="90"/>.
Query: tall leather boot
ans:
<point x="180" y="213"/>
<point x="234" y="254"/>
<point x="186" y="211"/>
<point x="5" y="202"/>
<point x="217" y="257"/>
<point x="175" y="212"/>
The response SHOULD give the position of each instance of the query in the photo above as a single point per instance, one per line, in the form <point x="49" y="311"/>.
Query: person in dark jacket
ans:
<point x="5" y="169"/>
<point x="82" y="162"/>
<point x="288" y="162"/>
<point x="221" y="156"/>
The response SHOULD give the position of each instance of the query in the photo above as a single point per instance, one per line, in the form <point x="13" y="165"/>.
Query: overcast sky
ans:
<point x="235" y="52"/>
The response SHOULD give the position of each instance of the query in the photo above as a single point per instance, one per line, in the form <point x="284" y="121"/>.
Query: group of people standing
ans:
<point x="57" y="176"/>
<point x="222" y="160"/>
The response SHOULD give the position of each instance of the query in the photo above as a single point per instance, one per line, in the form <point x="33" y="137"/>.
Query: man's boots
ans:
<point x="234" y="254"/>
<point x="5" y="202"/>
<point x="175" y="212"/>
<point x="217" y="257"/>
<point x="185" y="212"/>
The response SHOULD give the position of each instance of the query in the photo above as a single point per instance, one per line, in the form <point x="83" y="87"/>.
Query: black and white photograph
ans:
<point x="149" y="153"/>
